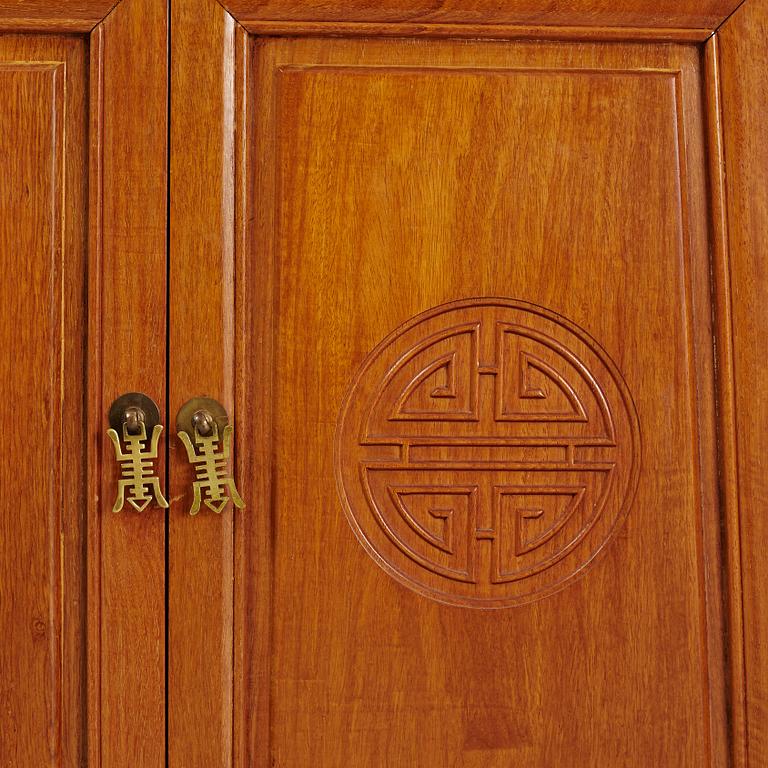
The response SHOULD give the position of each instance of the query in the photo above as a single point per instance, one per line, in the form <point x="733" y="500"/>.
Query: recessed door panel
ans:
<point x="42" y="381"/>
<point x="478" y="370"/>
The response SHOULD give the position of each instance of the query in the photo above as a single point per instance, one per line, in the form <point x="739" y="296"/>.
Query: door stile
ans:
<point x="727" y="455"/>
<point x="202" y="362"/>
<point x="127" y="322"/>
<point x="741" y="55"/>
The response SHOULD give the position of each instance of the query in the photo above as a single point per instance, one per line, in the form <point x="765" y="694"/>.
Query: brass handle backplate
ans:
<point x="132" y="417"/>
<point x="204" y="429"/>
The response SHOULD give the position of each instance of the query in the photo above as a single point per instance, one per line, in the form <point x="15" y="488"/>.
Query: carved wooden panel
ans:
<point x="484" y="449"/>
<point x="486" y="452"/>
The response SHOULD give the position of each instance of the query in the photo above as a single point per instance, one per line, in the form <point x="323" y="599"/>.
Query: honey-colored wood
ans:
<point x="49" y="16"/>
<point x="626" y="13"/>
<point x="742" y="54"/>
<point x="347" y="184"/>
<point x="385" y="177"/>
<point x="43" y="383"/>
<point x="82" y="231"/>
<point x="472" y="31"/>
<point x="725" y="381"/>
<point x="126" y="352"/>
<point x="200" y="576"/>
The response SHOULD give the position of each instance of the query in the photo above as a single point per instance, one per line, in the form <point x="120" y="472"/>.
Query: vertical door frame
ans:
<point x="202" y="363"/>
<point x="120" y="707"/>
<point x="203" y="366"/>
<point x="127" y="352"/>
<point x="736" y="56"/>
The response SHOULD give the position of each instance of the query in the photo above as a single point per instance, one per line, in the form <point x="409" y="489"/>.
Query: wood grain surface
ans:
<point x="390" y="177"/>
<point x="127" y="332"/>
<point x="743" y="57"/>
<point x="44" y="15"/>
<point x="601" y="13"/>
<point x="473" y="31"/>
<point x="353" y="189"/>
<point x="202" y="349"/>
<point x="43" y="382"/>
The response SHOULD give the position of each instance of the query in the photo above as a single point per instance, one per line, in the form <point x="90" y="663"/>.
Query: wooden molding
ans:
<point x="483" y="15"/>
<point x="48" y="16"/>
<point x="201" y="259"/>
<point x="474" y="31"/>
<point x="726" y="410"/>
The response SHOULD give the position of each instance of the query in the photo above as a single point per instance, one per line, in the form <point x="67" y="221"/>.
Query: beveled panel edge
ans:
<point x="95" y="400"/>
<point x="281" y="69"/>
<point x="52" y="550"/>
<point x="726" y="412"/>
<point x="242" y="747"/>
<point x="692" y="169"/>
<point x="56" y="553"/>
<point x="291" y="28"/>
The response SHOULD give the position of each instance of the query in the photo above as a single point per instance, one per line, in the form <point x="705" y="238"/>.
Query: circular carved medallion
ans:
<point x="486" y="452"/>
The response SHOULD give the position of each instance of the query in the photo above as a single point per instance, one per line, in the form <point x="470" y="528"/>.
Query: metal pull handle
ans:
<point x="204" y="429"/>
<point x="131" y="417"/>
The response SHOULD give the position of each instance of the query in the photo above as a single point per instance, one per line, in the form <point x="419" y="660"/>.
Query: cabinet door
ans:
<point x="82" y="243"/>
<point x="465" y="289"/>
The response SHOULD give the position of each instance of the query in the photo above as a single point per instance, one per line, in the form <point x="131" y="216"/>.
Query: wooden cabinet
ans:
<point x="480" y="289"/>
<point x="83" y="223"/>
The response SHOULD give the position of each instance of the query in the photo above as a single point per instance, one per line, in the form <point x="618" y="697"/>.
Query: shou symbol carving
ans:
<point x="486" y="452"/>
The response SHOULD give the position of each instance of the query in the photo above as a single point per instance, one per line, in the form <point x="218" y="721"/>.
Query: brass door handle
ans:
<point x="204" y="429"/>
<point x="132" y="417"/>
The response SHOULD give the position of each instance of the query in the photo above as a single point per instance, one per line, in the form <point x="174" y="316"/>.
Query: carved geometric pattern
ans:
<point x="486" y="452"/>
